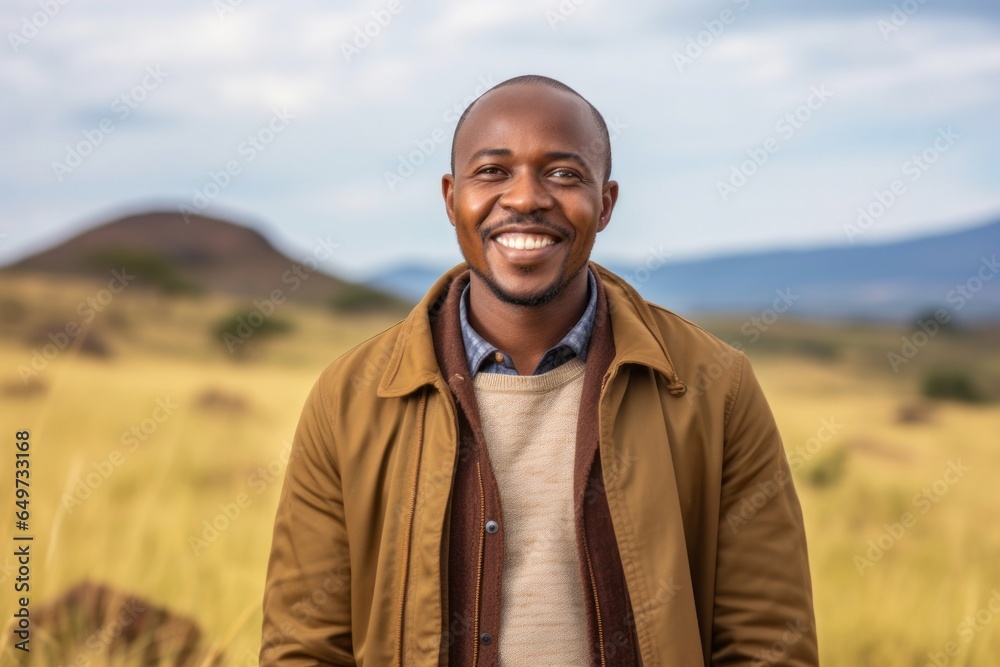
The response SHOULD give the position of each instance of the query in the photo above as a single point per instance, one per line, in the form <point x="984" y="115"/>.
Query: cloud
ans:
<point x="358" y="119"/>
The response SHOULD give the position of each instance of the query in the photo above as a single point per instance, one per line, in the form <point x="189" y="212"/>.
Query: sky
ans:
<point x="737" y="125"/>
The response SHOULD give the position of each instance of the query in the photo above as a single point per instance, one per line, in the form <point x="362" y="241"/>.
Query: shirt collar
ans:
<point x="576" y="340"/>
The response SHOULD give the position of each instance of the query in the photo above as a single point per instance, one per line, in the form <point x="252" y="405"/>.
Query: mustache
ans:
<point x="486" y="232"/>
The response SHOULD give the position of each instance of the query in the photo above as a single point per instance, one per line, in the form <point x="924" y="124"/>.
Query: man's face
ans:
<point x="528" y="198"/>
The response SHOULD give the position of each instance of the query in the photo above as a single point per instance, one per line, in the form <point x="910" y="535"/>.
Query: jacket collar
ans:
<point x="413" y="362"/>
<point x="638" y="339"/>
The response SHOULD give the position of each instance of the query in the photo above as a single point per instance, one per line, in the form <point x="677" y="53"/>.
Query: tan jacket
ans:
<point x="707" y="522"/>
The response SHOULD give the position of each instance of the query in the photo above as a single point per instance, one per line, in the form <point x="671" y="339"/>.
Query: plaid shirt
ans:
<point x="482" y="355"/>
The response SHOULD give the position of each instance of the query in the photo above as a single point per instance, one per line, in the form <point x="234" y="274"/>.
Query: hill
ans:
<point x="162" y="250"/>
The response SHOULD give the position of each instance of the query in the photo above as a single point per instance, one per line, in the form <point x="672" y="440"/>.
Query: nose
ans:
<point x="526" y="194"/>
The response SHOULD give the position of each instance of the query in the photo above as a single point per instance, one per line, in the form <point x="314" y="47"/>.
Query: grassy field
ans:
<point x="150" y="437"/>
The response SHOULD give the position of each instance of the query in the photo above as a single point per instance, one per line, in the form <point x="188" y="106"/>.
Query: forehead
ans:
<point x="525" y="118"/>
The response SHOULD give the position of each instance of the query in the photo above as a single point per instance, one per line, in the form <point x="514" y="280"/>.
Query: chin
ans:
<point x="535" y="297"/>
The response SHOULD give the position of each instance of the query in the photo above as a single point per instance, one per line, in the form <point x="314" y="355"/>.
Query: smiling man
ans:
<point x="544" y="468"/>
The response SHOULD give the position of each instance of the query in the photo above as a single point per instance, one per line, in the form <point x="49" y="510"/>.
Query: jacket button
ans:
<point x="491" y="528"/>
<point x="486" y="639"/>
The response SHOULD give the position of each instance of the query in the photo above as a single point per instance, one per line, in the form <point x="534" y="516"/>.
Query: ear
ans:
<point x="448" y="192"/>
<point x="608" y="199"/>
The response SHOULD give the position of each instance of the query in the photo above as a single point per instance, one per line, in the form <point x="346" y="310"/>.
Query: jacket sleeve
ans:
<point x="763" y="611"/>
<point x="307" y="594"/>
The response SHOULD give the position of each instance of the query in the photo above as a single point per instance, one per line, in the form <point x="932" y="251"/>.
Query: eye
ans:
<point x="563" y="173"/>
<point x="489" y="171"/>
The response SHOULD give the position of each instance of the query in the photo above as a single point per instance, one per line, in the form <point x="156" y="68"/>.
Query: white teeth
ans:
<point x="525" y="241"/>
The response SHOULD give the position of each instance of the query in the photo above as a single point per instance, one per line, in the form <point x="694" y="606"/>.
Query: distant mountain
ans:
<point x="885" y="282"/>
<point x="410" y="281"/>
<point x="165" y="251"/>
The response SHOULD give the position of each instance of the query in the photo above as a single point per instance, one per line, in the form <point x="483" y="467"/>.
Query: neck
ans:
<point x="526" y="332"/>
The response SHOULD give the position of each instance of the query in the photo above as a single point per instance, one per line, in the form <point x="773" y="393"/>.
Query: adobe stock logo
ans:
<point x="32" y="25"/>
<point x="697" y="45"/>
<point x="87" y="309"/>
<point x="365" y="34"/>
<point x="122" y="107"/>
<point x="248" y="150"/>
<point x="966" y="631"/>
<point x="913" y="168"/>
<point x="924" y="500"/>
<point x="900" y="16"/>
<point x="958" y="298"/>
<point x="427" y="145"/>
<point x="787" y="127"/>
<point x="562" y="12"/>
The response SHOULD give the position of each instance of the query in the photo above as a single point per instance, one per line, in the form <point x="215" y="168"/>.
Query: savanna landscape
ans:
<point x="160" y="428"/>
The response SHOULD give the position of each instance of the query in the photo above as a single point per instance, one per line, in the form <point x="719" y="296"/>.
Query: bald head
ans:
<point x="600" y="146"/>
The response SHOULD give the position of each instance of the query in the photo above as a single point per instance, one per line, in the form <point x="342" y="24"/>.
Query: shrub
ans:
<point x="954" y="385"/>
<point x="12" y="310"/>
<point x="244" y="330"/>
<point x="149" y="268"/>
<point x="827" y="469"/>
<point x="817" y="349"/>
<point x="362" y="299"/>
<point x="929" y="317"/>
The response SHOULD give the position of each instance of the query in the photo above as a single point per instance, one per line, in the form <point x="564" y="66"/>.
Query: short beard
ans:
<point x="530" y="301"/>
<point x="545" y="297"/>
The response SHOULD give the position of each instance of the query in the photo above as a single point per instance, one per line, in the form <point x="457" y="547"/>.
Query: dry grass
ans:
<point x="137" y="527"/>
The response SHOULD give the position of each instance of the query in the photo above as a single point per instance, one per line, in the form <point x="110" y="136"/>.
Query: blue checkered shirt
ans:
<point x="482" y="355"/>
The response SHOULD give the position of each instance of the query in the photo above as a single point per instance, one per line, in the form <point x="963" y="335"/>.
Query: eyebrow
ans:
<point x="491" y="152"/>
<point x="566" y="155"/>
<point x="505" y="152"/>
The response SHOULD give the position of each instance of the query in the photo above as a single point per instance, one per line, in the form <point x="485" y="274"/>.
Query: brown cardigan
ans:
<point x="472" y="578"/>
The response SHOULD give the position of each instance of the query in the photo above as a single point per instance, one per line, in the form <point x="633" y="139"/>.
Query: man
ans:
<point x="537" y="467"/>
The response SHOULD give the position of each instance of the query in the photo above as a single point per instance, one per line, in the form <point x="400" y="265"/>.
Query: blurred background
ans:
<point x="202" y="204"/>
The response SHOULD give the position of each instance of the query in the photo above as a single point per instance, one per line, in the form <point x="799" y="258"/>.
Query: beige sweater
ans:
<point x="530" y="426"/>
